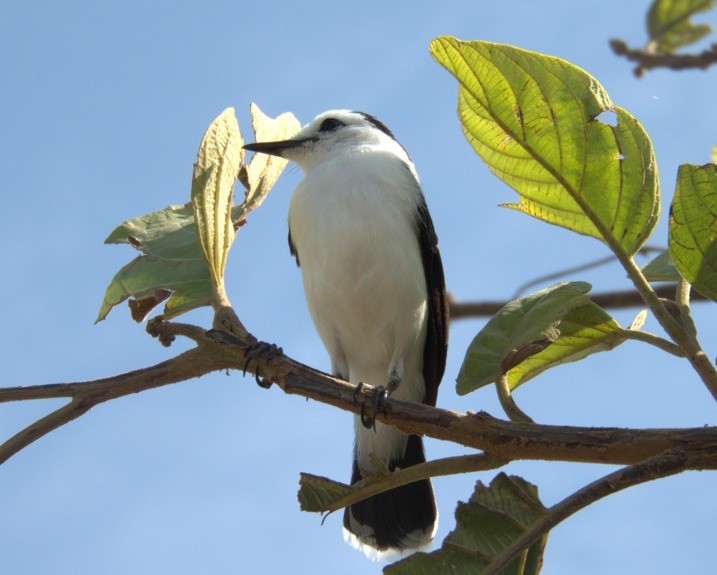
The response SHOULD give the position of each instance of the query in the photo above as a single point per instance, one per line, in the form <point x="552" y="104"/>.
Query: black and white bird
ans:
<point x="362" y="235"/>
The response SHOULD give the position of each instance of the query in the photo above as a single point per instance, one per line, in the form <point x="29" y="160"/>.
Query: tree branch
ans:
<point x="219" y="351"/>
<point x="648" y="60"/>
<point x="615" y="300"/>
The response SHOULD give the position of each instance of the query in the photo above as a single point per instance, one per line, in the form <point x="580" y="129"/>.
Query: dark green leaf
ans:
<point x="583" y="331"/>
<point x="661" y="269"/>
<point x="318" y="493"/>
<point x="494" y="517"/>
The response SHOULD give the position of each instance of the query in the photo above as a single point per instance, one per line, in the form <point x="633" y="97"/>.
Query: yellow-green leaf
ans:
<point x="262" y="171"/>
<point x="693" y="227"/>
<point x="536" y="121"/>
<point x="218" y="160"/>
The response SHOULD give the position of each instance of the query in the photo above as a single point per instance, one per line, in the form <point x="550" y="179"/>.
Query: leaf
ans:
<point x="583" y="331"/>
<point x="639" y="320"/>
<point x="536" y="122"/>
<point x="173" y="261"/>
<point x="494" y="517"/>
<point x="669" y="25"/>
<point x="693" y="227"/>
<point x="260" y="175"/>
<point x="218" y="160"/>
<point x="661" y="269"/>
<point x="318" y="493"/>
<point x="529" y="319"/>
<point x="174" y="267"/>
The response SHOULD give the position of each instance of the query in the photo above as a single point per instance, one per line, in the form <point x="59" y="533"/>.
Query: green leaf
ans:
<point x="523" y="321"/>
<point x="173" y="261"/>
<point x="318" y="493"/>
<point x="174" y="267"/>
<point x="693" y="227"/>
<point x="494" y="517"/>
<point x="536" y="122"/>
<point x="661" y="269"/>
<point x="669" y="25"/>
<point x="583" y="331"/>
<point x="218" y="160"/>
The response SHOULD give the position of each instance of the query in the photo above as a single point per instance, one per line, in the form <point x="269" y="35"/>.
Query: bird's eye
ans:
<point x="330" y="124"/>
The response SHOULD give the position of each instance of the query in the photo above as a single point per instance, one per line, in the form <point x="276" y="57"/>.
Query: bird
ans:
<point x="361" y="233"/>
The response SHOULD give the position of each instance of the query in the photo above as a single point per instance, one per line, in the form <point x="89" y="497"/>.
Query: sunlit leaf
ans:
<point x="693" y="227"/>
<point x="639" y="320"/>
<point x="262" y="171"/>
<point x="173" y="267"/>
<point x="539" y="123"/>
<point x="218" y="160"/>
<point x="494" y="517"/>
<point x="529" y="319"/>
<point x="669" y="25"/>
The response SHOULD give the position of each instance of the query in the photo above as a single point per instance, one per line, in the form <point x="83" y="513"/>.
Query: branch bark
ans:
<point x="611" y="300"/>
<point x="219" y="350"/>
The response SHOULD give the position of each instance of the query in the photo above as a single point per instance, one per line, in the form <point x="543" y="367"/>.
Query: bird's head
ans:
<point x="332" y="133"/>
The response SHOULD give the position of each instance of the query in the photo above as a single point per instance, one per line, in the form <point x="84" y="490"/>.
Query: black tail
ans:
<point x="402" y="518"/>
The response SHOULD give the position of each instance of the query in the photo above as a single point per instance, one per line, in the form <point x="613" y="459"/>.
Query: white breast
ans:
<point x="352" y="221"/>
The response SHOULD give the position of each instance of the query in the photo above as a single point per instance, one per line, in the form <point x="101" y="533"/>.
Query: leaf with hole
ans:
<point x="537" y="122"/>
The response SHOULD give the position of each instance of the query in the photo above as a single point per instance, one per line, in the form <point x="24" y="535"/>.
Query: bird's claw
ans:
<point x="378" y="405"/>
<point x="256" y="349"/>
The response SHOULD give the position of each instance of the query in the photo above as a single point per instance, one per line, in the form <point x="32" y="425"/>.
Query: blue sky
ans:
<point x="103" y="107"/>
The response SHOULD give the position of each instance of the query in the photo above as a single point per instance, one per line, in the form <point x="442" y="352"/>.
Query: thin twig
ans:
<point x="649" y="60"/>
<point x="435" y="468"/>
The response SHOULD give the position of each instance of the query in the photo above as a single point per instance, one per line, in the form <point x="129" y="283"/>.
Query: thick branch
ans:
<point x="510" y="440"/>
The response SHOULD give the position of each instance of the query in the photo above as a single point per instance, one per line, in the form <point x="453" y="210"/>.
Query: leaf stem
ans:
<point x="436" y="468"/>
<point x="678" y="331"/>
<point x="655" y="340"/>
<point x="507" y="402"/>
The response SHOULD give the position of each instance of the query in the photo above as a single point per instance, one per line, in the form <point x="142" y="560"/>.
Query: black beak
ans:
<point x="274" y="148"/>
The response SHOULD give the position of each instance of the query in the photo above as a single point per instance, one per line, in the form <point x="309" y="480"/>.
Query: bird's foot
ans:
<point x="376" y="405"/>
<point x="253" y="352"/>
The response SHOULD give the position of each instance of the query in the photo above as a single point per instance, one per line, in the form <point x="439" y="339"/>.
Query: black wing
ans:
<point x="292" y="249"/>
<point x="434" y="352"/>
